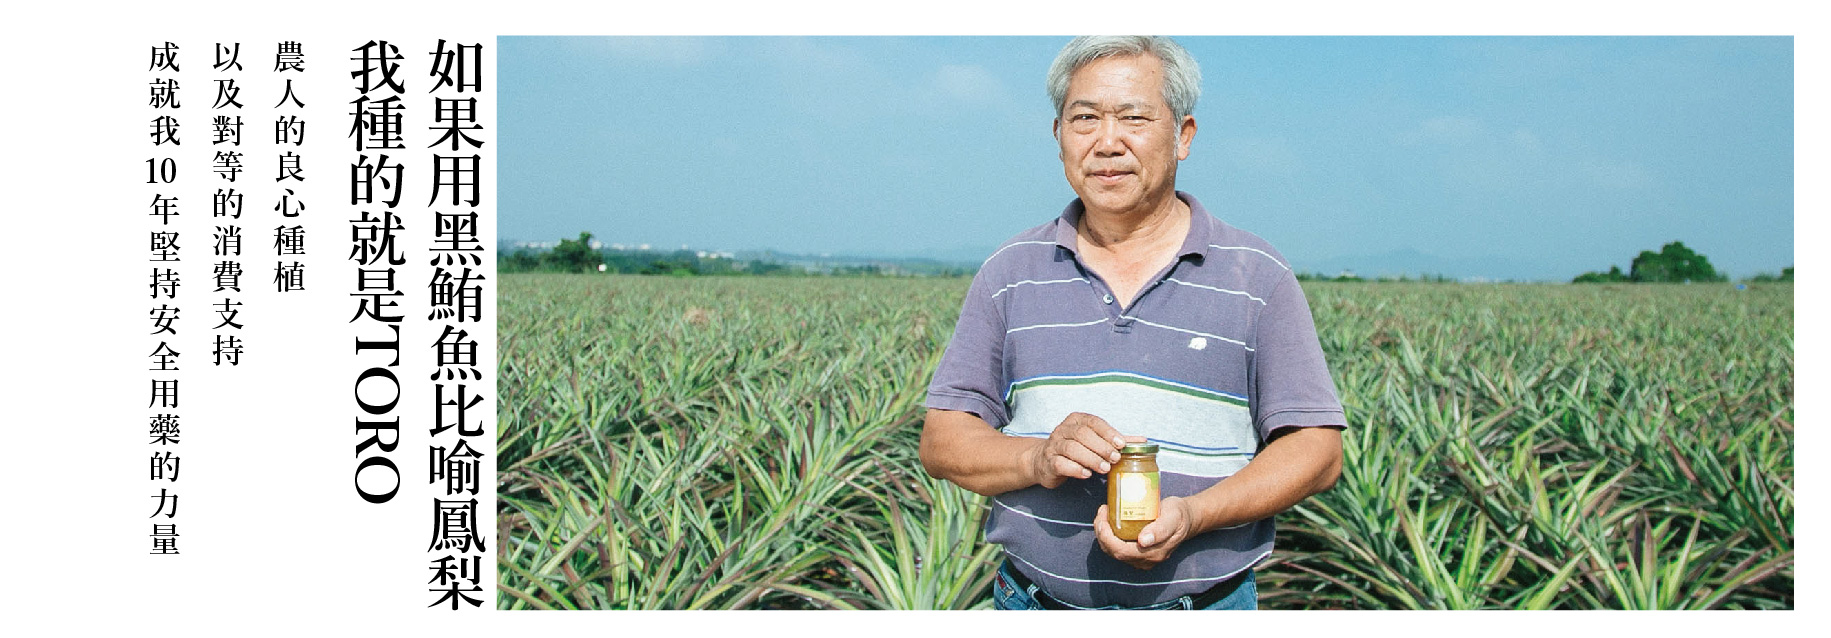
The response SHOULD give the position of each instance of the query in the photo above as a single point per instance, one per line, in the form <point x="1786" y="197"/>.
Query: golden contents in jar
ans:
<point x="1132" y="492"/>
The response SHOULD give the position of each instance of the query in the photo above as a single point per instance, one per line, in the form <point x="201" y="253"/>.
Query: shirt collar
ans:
<point x="1201" y="226"/>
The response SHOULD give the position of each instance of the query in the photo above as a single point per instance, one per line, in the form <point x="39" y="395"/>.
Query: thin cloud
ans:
<point x="969" y="83"/>
<point x="1617" y="175"/>
<point x="1471" y="152"/>
<point x="662" y="50"/>
<point x="1450" y="130"/>
<point x="1273" y="156"/>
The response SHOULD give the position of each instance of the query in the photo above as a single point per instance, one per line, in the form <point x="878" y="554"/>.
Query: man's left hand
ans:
<point x="1155" y="542"/>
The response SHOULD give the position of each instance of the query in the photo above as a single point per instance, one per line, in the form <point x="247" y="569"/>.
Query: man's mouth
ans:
<point x="1109" y="177"/>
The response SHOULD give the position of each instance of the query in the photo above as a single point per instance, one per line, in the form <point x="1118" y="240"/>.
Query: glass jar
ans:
<point x="1132" y="490"/>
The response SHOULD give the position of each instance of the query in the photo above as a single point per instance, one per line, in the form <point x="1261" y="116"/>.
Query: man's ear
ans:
<point x="1055" y="130"/>
<point x="1185" y="135"/>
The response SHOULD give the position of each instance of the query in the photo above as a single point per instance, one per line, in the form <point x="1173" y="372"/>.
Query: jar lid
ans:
<point x="1139" y="448"/>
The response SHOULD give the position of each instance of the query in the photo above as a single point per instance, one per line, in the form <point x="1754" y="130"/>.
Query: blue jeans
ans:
<point x="1007" y="594"/>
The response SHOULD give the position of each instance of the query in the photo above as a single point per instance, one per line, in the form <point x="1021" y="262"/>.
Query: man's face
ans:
<point x="1118" y="136"/>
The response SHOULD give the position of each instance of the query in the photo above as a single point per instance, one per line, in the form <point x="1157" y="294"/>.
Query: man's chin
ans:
<point x="1107" y="201"/>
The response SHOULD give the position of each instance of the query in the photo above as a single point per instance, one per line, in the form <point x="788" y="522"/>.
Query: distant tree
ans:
<point x="522" y="260"/>
<point x="1674" y="263"/>
<point x="575" y="255"/>
<point x="1344" y="276"/>
<point x="767" y="268"/>
<point x="670" y="266"/>
<point x="1786" y="275"/>
<point x="1614" y="275"/>
<point x="869" y="270"/>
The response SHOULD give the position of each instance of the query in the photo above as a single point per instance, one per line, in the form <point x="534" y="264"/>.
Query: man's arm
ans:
<point x="1297" y="463"/>
<point x="963" y="448"/>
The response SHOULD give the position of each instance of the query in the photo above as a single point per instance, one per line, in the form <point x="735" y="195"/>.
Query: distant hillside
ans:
<point x="1413" y="263"/>
<point x="543" y="256"/>
<point x="921" y="266"/>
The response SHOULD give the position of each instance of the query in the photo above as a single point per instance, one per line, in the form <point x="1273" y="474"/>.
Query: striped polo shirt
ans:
<point x="1216" y="352"/>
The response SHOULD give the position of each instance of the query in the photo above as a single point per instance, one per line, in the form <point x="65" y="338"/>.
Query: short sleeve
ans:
<point x="971" y="377"/>
<point x="1290" y="385"/>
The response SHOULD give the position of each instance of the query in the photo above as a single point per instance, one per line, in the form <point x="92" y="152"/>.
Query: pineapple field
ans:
<point x="750" y="442"/>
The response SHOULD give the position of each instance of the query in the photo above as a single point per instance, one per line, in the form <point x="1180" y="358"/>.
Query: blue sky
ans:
<point x="1522" y="158"/>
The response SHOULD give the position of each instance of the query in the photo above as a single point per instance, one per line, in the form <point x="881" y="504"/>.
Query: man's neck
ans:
<point x="1130" y="233"/>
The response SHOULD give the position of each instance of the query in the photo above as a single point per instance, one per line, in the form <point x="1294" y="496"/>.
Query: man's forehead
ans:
<point x="1138" y="78"/>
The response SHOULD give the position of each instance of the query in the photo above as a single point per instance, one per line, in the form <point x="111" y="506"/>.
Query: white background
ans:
<point x="274" y="537"/>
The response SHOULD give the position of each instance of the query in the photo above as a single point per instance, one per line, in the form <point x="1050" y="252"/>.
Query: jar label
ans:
<point x="1138" y="497"/>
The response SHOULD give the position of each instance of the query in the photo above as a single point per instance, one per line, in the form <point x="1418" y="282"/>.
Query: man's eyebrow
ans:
<point x="1128" y="106"/>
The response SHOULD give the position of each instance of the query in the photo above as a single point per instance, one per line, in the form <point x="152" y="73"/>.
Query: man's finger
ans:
<point x="1103" y="532"/>
<point x="1090" y="458"/>
<point x="1101" y="429"/>
<point x="1068" y="468"/>
<point x="1098" y="445"/>
<point x="1102" y="529"/>
<point x="1169" y="517"/>
<point x="1151" y="534"/>
<point x="1120" y="549"/>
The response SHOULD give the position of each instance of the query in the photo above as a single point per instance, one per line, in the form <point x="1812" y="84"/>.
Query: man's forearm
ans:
<point x="963" y="448"/>
<point x="1292" y="467"/>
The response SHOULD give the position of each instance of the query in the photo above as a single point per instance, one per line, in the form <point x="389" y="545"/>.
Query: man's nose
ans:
<point x="1106" y="138"/>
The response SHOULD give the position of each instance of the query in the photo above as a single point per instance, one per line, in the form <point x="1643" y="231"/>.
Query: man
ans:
<point x="1135" y="315"/>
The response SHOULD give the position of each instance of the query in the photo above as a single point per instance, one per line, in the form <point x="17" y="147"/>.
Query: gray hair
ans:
<point x="1182" y="77"/>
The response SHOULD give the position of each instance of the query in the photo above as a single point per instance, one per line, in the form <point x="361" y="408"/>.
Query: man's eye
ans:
<point x="1083" y="117"/>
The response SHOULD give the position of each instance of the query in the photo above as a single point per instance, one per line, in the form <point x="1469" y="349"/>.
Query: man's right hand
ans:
<point x="1081" y="445"/>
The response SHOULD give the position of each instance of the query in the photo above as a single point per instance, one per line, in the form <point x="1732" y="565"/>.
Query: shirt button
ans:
<point x="1107" y="299"/>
